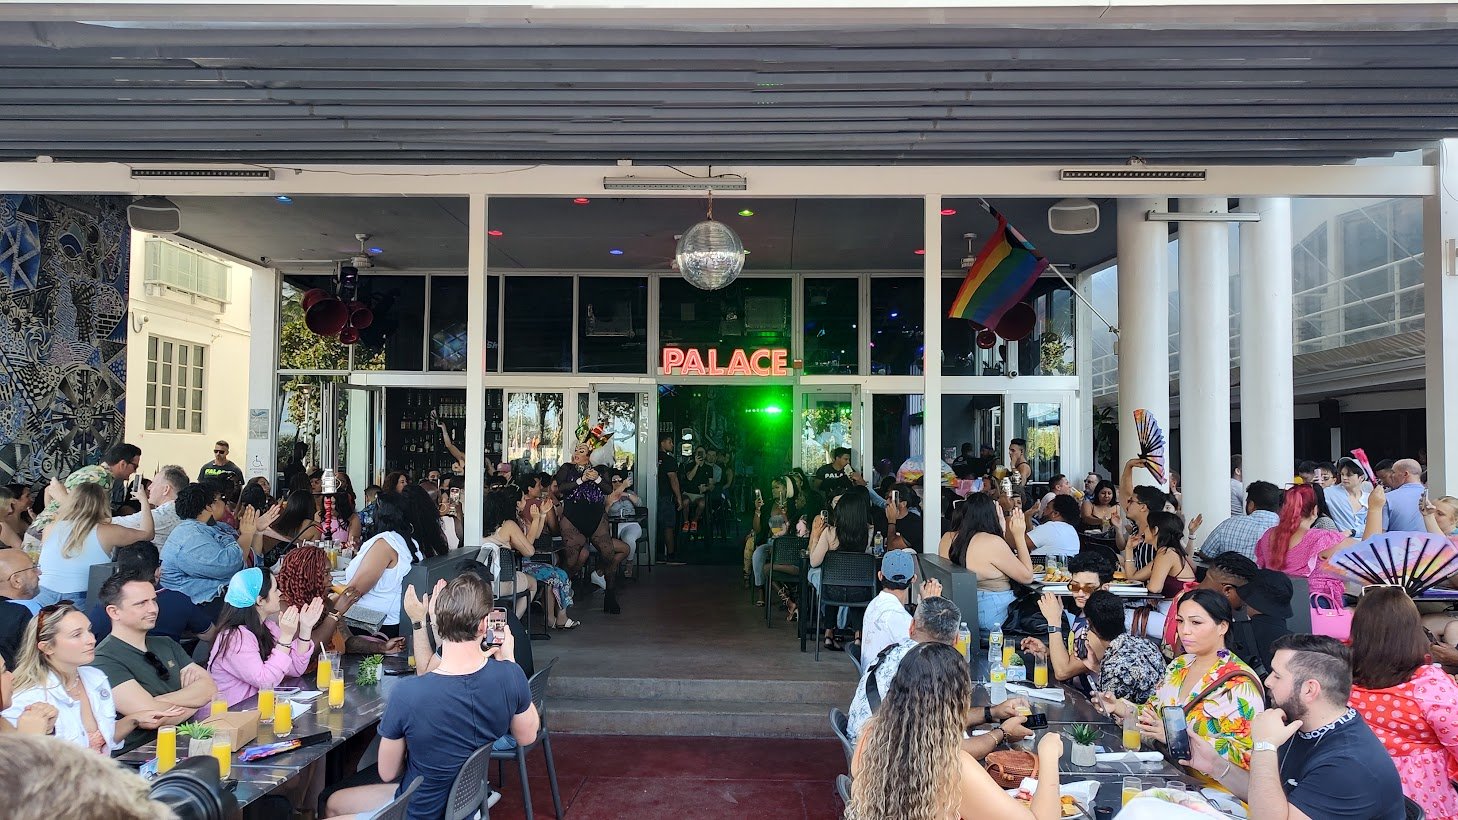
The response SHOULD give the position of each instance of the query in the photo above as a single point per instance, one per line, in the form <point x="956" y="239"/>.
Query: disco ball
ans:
<point x="709" y="255"/>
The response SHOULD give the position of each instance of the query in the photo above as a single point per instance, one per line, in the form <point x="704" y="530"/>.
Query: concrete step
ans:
<point x="688" y="718"/>
<point x="710" y="690"/>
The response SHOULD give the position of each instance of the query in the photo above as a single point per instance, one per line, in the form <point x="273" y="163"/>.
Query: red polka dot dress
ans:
<point x="1417" y="722"/>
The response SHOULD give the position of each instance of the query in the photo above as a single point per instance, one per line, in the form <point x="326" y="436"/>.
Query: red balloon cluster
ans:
<point x="326" y="315"/>
<point x="1015" y="324"/>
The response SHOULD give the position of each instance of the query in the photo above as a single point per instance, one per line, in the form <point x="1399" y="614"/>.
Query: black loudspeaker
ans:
<point x="1331" y="412"/>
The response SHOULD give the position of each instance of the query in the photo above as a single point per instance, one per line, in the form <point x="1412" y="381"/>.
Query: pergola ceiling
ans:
<point x="844" y="94"/>
<point x="554" y="234"/>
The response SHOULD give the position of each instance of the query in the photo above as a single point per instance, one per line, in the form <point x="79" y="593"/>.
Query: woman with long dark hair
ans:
<point x="296" y="523"/>
<point x="909" y="764"/>
<point x="259" y="643"/>
<point x="1294" y="546"/>
<point x="344" y="524"/>
<point x="1101" y="507"/>
<point x="504" y="508"/>
<point x="372" y="579"/>
<point x="980" y="545"/>
<point x="1411" y="705"/>
<point x="424" y="518"/>
<point x="848" y="530"/>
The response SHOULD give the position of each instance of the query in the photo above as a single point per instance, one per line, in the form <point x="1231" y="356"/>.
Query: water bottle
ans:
<point x="994" y="646"/>
<point x="964" y="641"/>
<point x="998" y="679"/>
<point x="878" y="545"/>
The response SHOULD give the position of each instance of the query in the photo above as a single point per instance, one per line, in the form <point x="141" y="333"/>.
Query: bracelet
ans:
<point x="987" y="714"/>
<point x="1222" y="775"/>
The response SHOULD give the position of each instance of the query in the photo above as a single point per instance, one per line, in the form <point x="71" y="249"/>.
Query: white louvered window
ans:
<point x="186" y="270"/>
<point x="176" y="373"/>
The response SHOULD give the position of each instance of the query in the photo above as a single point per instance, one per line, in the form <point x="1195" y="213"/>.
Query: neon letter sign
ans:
<point x="764" y="361"/>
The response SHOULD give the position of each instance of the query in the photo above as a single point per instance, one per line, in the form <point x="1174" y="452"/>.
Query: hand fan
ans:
<point x="1361" y="456"/>
<point x="1414" y="561"/>
<point x="1151" y="443"/>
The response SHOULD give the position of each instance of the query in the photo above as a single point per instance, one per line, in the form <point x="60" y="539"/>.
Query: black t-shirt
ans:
<point x="444" y="719"/>
<point x="13" y="620"/>
<point x="1341" y="772"/>
<point x="909" y="528"/>
<point x="832" y="482"/>
<point x="667" y="466"/>
<point x="214" y="470"/>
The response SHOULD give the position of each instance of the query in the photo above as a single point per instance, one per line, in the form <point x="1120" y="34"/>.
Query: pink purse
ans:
<point x="1334" y="621"/>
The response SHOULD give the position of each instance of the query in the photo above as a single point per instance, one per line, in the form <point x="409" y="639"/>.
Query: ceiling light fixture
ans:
<point x="284" y="200"/>
<point x="709" y="255"/>
<point x="1080" y="174"/>
<point x="949" y="212"/>
<point x="377" y="250"/>
<point x="735" y="183"/>
<point x="202" y="173"/>
<point x="920" y="251"/>
<point x="581" y="200"/>
<point x="746" y="212"/>
<point x="616" y="251"/>
<point x="1233" y="216"/>
<point x="494" y="232"/>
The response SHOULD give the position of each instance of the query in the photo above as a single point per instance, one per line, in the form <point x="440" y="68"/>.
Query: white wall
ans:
<point x="223" y="329"/>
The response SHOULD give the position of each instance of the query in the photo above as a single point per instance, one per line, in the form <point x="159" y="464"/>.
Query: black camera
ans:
<point x="194" y="790"/>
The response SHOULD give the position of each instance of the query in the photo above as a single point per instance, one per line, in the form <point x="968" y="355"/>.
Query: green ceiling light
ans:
<point x="746" y="212"/>
<point x="774" y="410"/>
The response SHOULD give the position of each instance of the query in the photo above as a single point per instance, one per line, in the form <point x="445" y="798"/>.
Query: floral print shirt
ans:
<point x="1131" y="668"/>
<point x="1223" y="717"/>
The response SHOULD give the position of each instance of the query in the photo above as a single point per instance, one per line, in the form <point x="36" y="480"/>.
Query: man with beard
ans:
<point x="586" y="493"/>
<point x="1314" y="757"/>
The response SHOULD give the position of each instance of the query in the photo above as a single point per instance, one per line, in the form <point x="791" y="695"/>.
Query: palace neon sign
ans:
<point x="764" y="361"/>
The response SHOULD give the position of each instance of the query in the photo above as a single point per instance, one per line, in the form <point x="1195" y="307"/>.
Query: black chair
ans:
<point x="510" y="566"/>
<point x="1414" y="811"/>
<point x="469" y="792"/>
<point x="397" y="809"/>
<point x="1300" y="621"/>
<point x="853" y="650"/>
<point x="643" y="556"/>
<point x="538" y="685"/>
<point x="843" y="787"/>
<point x="784" y="552"/>
<point x="840" y="724"/>
<point x="96" y="577"/>
<point x="847" y="579"/>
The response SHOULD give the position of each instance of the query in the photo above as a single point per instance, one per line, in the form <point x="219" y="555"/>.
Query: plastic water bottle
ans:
<point x="878" y="545"/>
<point x="998" y="680"/>
<point x="994" y="647"/>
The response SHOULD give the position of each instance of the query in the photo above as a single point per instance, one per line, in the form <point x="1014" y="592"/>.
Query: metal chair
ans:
<point x="643" y="557"/>
<point x="510" y="566"/>
<point x="538" y="684"/>
<point x="1414" y="811"/>
<point x="853" y="650"/>
<point x="840" y="724"/>
<point x="843" y="787"/>
<point x="847" y="579"/>
<point x="469" y="792"/>
<point x="784" y="552"/>
<point x="397" y="809"/>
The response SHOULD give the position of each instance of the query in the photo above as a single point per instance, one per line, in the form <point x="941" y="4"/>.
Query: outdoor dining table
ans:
<point x="363" y="708"/>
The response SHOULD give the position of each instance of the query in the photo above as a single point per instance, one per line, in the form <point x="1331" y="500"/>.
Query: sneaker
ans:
<point x="493" y="799"/>
<point x="599" y="580"/>
<point x="693" y="526"/>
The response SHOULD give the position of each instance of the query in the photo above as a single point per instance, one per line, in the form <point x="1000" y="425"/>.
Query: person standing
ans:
<point x="670" y="495"/>
<point x="1402" y="513"/>
<point x="117" y="466"/>
<point x="220" y="465"/>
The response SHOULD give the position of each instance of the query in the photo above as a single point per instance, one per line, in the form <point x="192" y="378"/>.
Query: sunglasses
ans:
<point x="1085" y="588"/>
<point x="21" y="572"/>
<point x="157" y="665"/>
<point x="220" y="452"/>
<point x="59" y="607"/>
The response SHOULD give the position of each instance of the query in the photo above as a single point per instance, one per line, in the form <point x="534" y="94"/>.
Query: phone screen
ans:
<point x="1176" y="732"/>
<point x="895" y="496"/>
<point x="455" y="492"/>
<point x="496" y="627"/>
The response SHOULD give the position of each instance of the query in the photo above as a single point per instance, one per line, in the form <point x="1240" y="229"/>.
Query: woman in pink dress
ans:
<point x="1295" y="548"/>
<point x="1407" y="700"/>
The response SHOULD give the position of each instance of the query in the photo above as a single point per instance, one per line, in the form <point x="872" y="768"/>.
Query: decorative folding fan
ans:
<point x="1414" y="561"/>
<point x="1151" y="443"/>
<point x="1366" y="464"/>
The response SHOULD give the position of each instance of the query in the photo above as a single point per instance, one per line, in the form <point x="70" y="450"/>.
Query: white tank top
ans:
<point x="65" y="575"/>
<point x="385" y="597"/>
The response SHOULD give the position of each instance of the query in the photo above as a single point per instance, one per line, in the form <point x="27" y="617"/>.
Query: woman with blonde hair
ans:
<point x="82" y="536"/>
<point x="53" y="668"/>
<point x="909" y="764"/>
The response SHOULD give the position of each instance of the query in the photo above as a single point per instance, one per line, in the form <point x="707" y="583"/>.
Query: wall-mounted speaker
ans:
<point x="1331" y="412"/>
<point x="154" y="214"/>
<point x="1073" y="216"/>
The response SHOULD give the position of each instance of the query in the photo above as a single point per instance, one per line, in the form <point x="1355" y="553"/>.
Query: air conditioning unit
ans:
<point x="615" y="321"/>
<point x="763" y="313"/>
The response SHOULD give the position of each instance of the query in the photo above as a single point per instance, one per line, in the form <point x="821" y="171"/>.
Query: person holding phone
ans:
<point x="772" y="518"/>
<point x="81" y="537"/>
<point x="623" y="510"/>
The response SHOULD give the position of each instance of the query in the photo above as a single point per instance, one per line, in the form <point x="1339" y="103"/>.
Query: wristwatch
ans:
<point x="417" y="625"/>
<point x="1263" y="746"/>
<point x="987" y="714"/>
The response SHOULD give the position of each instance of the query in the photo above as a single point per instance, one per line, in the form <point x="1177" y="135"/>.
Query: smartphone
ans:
<point x="496" y="627"/>
<point x="1423" y="502"/>
<point x="895" y="496"/>
<point x="1176" y="732"/>
<point x="455" y="493"/>
<point x="758" y="496"/>
<point x="1036" y="720"/>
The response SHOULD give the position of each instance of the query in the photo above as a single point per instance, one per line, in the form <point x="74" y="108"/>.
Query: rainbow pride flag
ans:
<point x="1001" y="275"/>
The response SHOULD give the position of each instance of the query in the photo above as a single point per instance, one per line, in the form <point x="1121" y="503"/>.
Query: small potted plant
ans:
<point x="369" y="671"/>
<point x="1083" y="736"/>
<point x="199" y="738"/>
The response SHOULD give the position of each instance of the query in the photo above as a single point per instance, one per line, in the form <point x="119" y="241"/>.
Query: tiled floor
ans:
<point x="648" y="778"/>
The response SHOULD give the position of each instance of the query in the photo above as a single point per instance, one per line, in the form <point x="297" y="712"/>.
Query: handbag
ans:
<point x="1024" y="618"/>
<point x="1218" y="682"/>
<point x="1333" y="620"/>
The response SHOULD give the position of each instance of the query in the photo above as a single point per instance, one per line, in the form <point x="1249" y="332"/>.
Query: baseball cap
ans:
<point x="898" y="567"/>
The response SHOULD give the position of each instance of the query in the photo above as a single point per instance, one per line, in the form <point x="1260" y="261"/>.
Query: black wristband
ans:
<point x="987" y="714"/>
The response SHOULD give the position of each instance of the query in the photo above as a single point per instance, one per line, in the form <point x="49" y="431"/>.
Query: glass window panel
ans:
<point x="828" y="423"/>
<point x="298" y="347"/>
<point x="1364" y="245"/>
<point x="538" y="332"/>
<point x="152" y="371"/>
<point x="197" y="422"/>
<point x="960" y="354"/>
<point x="831" y="343"/>
<point x="395" y="339"/>
<point x="1049" y="349"/>
<point x="534" y="430"/>
<point x="197" y="397"/>
<point x="167" y="374"/>
<point x="974" y="420"/>
<point x="449" y="305"/>
<point x="166" y="418"/>
<point x="750" y="313"/>
<point x="1040" y="424"/>
<point x="896" y="326"/>
<point x="1407" y="228"/>
<point x="182" y="355"/>
<point x="151" y="393"/>
<point x="167" y="353"/>
<point x="151" y="418"/>
<point x="612" y="332"/>
<point x="152" y="347"/>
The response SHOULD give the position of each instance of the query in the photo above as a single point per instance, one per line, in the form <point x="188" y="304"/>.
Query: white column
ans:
<point x="260" y="455"/>
<point x="1081" y="461"/>
<point x="931" y="365"/>
<point x="1440" y="320"/>
<point x="1143" y="344"/>
<point x="1267" y="406"/>
<point x="1204" y="262"/>
<point x="475" y="444"/>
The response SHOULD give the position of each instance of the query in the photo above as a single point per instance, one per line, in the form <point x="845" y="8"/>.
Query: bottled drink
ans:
<point x="994" y="646"/>
<point x="878" y="545"/>
<point x="998" y="678"/>
<point x="964" y="641"/>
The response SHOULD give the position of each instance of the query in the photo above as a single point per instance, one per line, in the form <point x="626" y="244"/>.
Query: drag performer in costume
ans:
<point x="586" y="493"/>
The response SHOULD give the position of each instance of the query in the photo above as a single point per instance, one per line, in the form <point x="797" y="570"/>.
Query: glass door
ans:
<point x="534" y="431"/>
<point x="829" y="419"/>
<point x="352" y="421"/>
<point x="1039" y="420"/>
<point x="624" y="413"/>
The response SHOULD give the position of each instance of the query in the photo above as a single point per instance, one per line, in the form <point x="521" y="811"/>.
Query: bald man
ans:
<point x="1402" y="511"/>
<point x="19" y="583"/>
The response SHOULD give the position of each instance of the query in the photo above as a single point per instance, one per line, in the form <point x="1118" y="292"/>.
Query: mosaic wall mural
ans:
<point x="63" y="306"/>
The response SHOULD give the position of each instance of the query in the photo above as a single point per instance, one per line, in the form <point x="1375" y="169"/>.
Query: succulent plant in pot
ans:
<point x="1084" y="737"/>
<point x="199" y="738"/>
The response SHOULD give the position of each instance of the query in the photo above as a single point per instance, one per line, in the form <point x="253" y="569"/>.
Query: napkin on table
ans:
<point x="1051" y="693"/>
<point x="1129" y="757"/>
